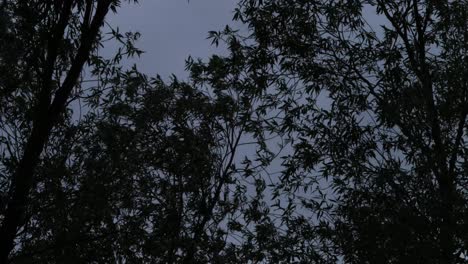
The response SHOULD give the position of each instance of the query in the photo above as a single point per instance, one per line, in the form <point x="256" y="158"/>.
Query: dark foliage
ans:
<point x="322" y="136"/>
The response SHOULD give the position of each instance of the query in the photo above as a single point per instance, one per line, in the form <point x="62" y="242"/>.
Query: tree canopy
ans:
<point x="320" y="136"/>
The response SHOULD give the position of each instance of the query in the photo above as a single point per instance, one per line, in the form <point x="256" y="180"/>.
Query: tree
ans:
<point x="44" y="49"/>
<point x="376" y="118"/>
<point x="367" y="122"/>
<point x="128" y="169"/>
<point x="143" y="180"/>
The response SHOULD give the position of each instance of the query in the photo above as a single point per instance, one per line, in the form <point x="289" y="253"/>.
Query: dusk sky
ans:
<point x="172" y="30"/>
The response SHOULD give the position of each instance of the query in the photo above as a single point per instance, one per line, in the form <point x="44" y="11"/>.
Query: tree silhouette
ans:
<point x="357" y="130"/>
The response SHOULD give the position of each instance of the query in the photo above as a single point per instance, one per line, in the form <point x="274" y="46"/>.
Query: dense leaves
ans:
<point x="330" y="132"/>
<point x="376" y="116"/>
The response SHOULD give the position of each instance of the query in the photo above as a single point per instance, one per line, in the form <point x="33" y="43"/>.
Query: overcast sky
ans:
<point x="172" y="30"/>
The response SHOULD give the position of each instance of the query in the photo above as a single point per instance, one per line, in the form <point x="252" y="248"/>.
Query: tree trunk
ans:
<point x="23" y="177"/>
